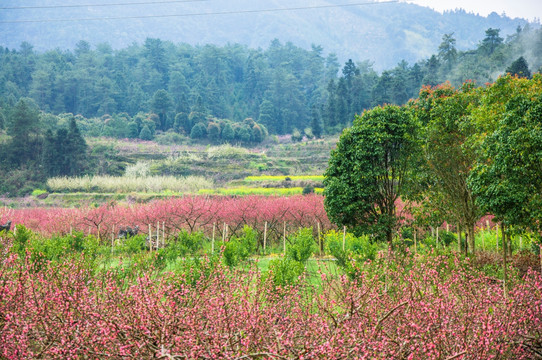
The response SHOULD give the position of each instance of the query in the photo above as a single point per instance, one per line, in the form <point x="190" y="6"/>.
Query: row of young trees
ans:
<point x="456" y="154"/>
<point x="282" y="87"/>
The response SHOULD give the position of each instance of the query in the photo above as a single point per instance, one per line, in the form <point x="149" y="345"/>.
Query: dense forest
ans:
<point x="381" y="32"/>
<point x="223" y="94"/>
<point x="282" y="87"/>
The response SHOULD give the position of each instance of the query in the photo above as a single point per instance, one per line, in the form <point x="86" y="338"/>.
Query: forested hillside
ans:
<point x="282" y="87"/>
<point x="382" y="33"/>
<point x="221" y="94"/>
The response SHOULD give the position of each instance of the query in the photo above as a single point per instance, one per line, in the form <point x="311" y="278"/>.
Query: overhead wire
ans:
<point x="97" y="5"/>
<point x="232" y="12"/>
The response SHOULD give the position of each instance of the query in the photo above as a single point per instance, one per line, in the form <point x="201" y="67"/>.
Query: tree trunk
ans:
<point x="504" y="251"/>
<point x="389" y="238"/>
<point x="470" y="232"/>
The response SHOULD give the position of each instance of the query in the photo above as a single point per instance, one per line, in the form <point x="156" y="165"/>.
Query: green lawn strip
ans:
<point x="241" y="191"/>
<point x="283" y="178"/>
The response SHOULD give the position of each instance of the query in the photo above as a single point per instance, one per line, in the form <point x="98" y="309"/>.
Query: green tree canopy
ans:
<point x="24" y="129"/>
<point x="369" y="171"/>
<point x="519" y="68"/>
<point x="445" y="114"/>
<point x="507" y="178"/>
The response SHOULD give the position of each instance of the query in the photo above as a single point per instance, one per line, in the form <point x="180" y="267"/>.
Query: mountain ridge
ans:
<point x="384" y="33"/>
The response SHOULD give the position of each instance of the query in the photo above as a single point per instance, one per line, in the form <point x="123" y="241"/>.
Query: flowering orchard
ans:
<point x="434" y="308"/>
<point x="191" y="213"/>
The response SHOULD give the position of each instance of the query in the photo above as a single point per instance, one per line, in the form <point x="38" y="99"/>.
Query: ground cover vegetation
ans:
<point x="75" y="295"/>
<point x="177" y="94"/>
<point x="430" y="214"/>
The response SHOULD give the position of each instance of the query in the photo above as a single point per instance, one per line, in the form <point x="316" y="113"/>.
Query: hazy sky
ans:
<point x="528" y="9"/>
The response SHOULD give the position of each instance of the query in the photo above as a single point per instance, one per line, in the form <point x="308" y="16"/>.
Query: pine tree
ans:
<point x="76" y="150"/>
<point x="25" y="132"/>
<point x="228" y="134"/>
<point x="145" y="133"/>
<point x="316" y="123"/>
<point x="519" y="68"/>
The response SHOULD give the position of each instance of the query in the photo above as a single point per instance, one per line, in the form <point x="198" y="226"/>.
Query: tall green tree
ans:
<point x="24" y="129"/>
<point x="448" y="158"/>
<point x="77" y="149"/>
<point x="369" y="171"/>
<point x="316" y="123"/>
<point x="491" y="41"/>
<point x="447" y="53"/>
<point x="161" y="104"/>
<point x="508" y="176"/>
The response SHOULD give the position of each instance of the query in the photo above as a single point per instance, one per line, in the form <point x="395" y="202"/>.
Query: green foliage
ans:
<point x="285" y="271"/>
<point x="447" y="237"/>
<point x="228" y="134"/>
<point x="369" y="170"/>
<point x="198" y="131"/>
<point x="186" y="244"/>
<point x="38" y="192"/>
<point x="65" y="153"/>
<point x="238" y="249"/>
<point x="21" y="239"/>
<point x="197" y="269"/>
<point x="134" y="244"/>
<point x="448" y="156"/>
<point x="145" y="133"/>
<point x="296" y="135"/>
<point x="308" y="190"/>
<point x="301" y="246"/>
<point x="519" y="68"/>
<point x="356" y="248"/>
<point x="507" y="177"/>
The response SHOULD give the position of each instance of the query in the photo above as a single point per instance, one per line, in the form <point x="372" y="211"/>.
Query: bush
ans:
<point x="447" y="237"/>
<point x="21" y="237"/>
<point x="38" y="192"/>
<point x="134" y="244"/>
<point x="357" y="249"/>
<point x="238" y="249"/>
<point x="198" y="131"/>
<point x="301" y="246"/>
<point x="186" y="244"/>
<point x="296" y="136"/>
<point x="285" y="271"/>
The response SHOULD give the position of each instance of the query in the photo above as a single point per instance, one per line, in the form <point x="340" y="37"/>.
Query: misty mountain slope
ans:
<point x="383" y="33"/>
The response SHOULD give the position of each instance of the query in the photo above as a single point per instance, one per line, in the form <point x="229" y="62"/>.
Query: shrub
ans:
<point x="139" y="169"/>
<point x="145" y="133"/>
<point x="21" y="237"/>
<point x="285" y="271"/>
<point x="447" y="237"/>
<point x="296" y="136"/>
<point x="356" y="250"/>
<point x="301" y="246"/>
<point x="185" y="244"/>
<point x="198" y="131"/>
<point x="134" y="244"/>
<point x="238" y="249"/>
<point x="38" y="192"/>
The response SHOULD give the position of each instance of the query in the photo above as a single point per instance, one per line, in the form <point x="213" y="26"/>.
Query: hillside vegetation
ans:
<point x="53" y="103"/>
<point x="381" y="33"/>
